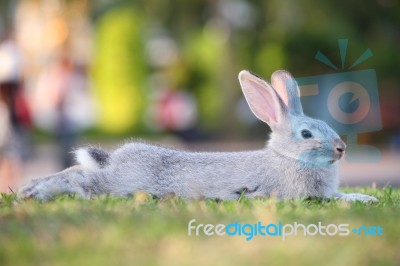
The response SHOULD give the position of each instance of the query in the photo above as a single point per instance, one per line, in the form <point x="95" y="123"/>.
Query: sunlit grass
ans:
<point x="142" y="230"/>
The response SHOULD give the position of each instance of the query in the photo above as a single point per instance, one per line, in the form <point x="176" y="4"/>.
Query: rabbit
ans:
<point x="298" y="161"/>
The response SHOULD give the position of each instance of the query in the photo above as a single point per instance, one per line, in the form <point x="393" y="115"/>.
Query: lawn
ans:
<point x="146" y="231"/>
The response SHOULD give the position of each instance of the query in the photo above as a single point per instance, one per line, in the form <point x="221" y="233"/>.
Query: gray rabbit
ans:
<point x="299" y="160"/>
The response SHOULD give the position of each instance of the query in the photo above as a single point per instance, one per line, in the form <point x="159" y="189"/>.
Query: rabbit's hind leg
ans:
<point x="69" y="181"/>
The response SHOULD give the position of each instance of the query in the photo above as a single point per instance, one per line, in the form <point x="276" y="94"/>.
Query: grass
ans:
<point x="145" y="231"/>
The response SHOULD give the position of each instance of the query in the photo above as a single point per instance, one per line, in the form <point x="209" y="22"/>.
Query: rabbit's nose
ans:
<point x="339" y="149"/>
<point x="340" y="145"/>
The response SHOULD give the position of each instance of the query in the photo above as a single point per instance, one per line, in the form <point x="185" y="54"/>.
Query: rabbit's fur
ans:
<point x="292" y="165"/>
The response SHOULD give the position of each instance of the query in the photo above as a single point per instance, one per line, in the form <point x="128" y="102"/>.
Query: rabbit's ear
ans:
<point x="286" y="86"/>
<point x="264" y="102"/>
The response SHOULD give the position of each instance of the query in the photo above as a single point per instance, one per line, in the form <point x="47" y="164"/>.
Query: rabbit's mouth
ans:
<point x="338" y="157"/>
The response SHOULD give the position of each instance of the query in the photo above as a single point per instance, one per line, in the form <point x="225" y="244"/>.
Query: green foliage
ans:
<point x="205" y="53"/>
<point x="145" y="231"/>
<point x="118" y="69"/>
<point x="212" y="49"/>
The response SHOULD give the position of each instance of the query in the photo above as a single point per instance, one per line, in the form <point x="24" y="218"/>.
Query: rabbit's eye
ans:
<point x="306" y="134"/>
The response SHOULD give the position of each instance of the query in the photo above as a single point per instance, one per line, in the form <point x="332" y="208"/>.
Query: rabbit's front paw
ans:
<point x="356" y="197"/>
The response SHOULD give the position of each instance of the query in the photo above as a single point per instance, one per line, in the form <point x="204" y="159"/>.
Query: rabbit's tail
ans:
<point x="92" y="158"/>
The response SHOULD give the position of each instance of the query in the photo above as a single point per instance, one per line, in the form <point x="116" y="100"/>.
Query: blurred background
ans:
<point x="74" y="72"/>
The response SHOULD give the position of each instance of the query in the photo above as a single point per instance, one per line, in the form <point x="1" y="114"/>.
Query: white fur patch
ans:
<point x="83" y="158"/>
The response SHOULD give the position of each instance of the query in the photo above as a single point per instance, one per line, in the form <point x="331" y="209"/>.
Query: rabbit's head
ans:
<point x="294" y="135"/>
